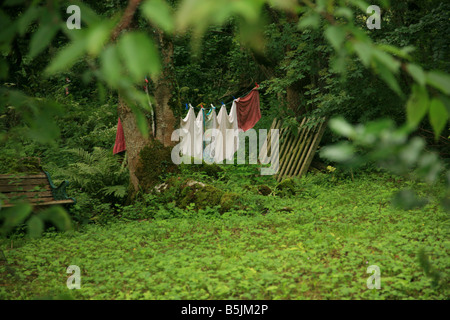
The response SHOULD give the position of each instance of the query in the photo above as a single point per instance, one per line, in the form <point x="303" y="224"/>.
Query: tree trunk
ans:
<point x="164" y="116"/>
<point x="165" y="119"/>
<point x="133" y="139"/>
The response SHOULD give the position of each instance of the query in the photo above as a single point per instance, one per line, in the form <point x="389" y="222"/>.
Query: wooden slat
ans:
<point x="14" y="188"/>
<point x="313" y="148"/>
<point x="25" y="182"/>
<point x="286" y="163"/>
<point x="54" y="202"/>
<point x="297" y="152"/>
<point x="307" y="145"/>
<point x="25" y="197"/>
<point x="284" y="147"/>
<point x="19" y="176"/>
<point x="266" y="145"/>
<point x="46" y="193"/>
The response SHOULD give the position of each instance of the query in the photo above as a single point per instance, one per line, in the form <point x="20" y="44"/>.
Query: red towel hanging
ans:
<point x="248" y="110"/>
<point x="119" y="146"/>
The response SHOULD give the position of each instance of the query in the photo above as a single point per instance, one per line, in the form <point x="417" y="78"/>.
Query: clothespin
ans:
<point x="223" y="103"/>
<point x="187" y="106"/>
<point x="146" y="80"/>
<point x="212" y="106"/>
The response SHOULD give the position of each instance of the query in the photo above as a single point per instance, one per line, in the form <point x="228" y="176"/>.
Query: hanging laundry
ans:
<point x="188" y="140"/>
<point x="191" y="144"/>
<point x="198" y="136"/>
<point x="226" y="145"/>
<point x="211" y="124"/>
<point x="119" y="145"/>
<point x="248" y="111"/>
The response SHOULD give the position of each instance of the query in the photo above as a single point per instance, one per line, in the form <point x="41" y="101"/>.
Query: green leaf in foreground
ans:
<point x="335" y="35"/>
<point x="417" y="73"/>
<point x="35" y="227"/>
<point x="439" y="80"/>
<point x="417" y="105"/>
<point x="139" y="54"/>
<point x="159" y="13"/>
<point x="14" y="216"/>
<point x="438" y="116"/>
<point x="67" y="56"/>
<point x="110" y="65"/>
<point x="339" y="152"/>
<point x="41" y="38"/>
<point x="58" y="217"/>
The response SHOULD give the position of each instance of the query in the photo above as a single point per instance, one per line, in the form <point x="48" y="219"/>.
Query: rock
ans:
<point x="201" y="195"/>
<point x="264" y="190"/>
<point x="286" y="187"/>
<point x="230" y="200"/>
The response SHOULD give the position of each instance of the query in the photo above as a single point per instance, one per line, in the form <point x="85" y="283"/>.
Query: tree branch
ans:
<point x="126" y="18"/>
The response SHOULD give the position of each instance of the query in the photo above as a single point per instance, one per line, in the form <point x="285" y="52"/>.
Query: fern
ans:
<point x="118" y="191"/>
<point x="97" y="173"/>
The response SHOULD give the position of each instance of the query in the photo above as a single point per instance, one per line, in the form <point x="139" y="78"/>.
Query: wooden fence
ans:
<point x="296" y="151"/>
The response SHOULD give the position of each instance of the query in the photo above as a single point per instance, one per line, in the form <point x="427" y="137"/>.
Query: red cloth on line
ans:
<point x="119" y="146"/>
<point x="248" y="112"/>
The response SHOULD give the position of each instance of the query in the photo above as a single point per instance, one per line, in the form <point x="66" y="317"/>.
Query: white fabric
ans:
<point x="198" y="136"/>
<point x="228" y="126"/>
<point x="191" y="144"/>
<point x="221" y="143"/>
<point x="211" y="124"/>
<point x="187" y="140"/>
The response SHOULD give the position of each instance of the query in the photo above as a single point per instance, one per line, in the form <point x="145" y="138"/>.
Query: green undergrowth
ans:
<point x="314" y="242"/>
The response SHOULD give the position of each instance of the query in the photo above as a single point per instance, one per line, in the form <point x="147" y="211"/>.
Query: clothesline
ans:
<point x="244" y="111"/>
<point x="200" y="106"/>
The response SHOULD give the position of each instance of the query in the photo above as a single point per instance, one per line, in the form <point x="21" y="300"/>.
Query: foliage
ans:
<point x="296" y="239"/>
<point x="97" y="173"/>
<point x="320" y="249"/>
<point x="388" y="147"/>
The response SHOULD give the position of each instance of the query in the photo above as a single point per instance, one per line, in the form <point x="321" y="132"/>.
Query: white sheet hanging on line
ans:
<point x="220" y="144"/>
<point x="191" y="144"/>
<point x="198" y="136"/>
<point x="187" y="140"/>
<point x="211" y="124"/>
<point x="228" y="126"/>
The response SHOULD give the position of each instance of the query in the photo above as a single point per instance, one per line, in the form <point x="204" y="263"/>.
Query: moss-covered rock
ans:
<point x="187" y="191"/>
<point x="201" y="195"/>
<point x="264" y="190"/>
<point x="286" y="187"/>
<point x="211" y="170"/>
<point x="230" y="200"/>
<point x="154" y="165"/>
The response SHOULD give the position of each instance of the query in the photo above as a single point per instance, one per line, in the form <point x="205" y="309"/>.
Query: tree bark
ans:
<point x="164" y="116"/>
<point x="134" y="140"/>
<point x="165" y="119"/>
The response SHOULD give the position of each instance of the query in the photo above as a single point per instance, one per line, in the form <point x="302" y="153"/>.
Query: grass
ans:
<point x="316" y="244"/>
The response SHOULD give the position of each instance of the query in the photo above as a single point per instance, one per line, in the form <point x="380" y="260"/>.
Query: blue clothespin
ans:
<point x="187" y="106"/>
<point x="223" y="103"/>
<point x="234" y="98"/>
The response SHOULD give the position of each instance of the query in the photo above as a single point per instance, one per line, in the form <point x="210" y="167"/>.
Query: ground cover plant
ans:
<point x="376" y="195"/>
<point x="314" y="244"/>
